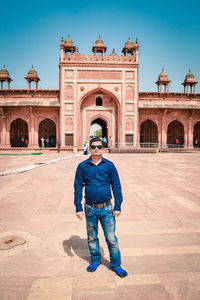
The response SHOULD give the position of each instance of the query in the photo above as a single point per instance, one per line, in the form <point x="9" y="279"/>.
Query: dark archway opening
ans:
<point x="148" y="134"/>
<point x="99" y="101"/>
<point x="47" y="134"/>
<point x="103" y="132"/>
<point x="196" y="136"/>
<point x="19" y="133"/>
<point x="175" y="134"/>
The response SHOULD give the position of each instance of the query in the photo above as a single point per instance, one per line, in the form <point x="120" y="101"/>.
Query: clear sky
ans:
<point x="168" y="34"/>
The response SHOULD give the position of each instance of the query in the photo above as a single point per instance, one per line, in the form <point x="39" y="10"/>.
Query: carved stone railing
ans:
<point x="76" y="57"/>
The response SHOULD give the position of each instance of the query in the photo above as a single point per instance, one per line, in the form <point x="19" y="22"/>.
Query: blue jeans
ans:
<point x="107" y="220"/>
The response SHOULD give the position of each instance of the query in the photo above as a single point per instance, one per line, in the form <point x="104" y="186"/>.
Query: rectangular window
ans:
<point x="129" y="139"/>
<point x="69" y="141"/>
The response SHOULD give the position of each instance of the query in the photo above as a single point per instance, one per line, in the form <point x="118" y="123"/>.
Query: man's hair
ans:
<point x="96" y="139"/>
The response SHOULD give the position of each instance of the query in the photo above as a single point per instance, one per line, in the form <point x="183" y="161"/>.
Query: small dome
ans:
<point x="4" y="71"/>
<point x="162" y="75"/>
<point x="68" y="40"/>
<point x="129" y="42"/>
<point x="113" y="53"/>
<point x="190" y="76"/>
<point x="99" y="41"/>
<point x="32" y="71"/>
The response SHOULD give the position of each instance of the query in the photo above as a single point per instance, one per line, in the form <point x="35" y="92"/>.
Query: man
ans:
<point x="98" y="175"/>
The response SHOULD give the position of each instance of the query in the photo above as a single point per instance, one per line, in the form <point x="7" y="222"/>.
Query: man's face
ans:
<point x="96" y="151"/>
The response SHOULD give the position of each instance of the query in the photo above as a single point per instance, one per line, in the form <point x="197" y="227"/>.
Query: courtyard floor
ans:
<point x="158" y="231"/>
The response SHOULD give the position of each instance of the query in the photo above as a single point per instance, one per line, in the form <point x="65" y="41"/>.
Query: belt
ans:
<point x="99" y="205"/>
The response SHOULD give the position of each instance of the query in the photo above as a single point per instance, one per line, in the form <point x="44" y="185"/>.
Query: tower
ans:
<point x="32" y="76"/>
<point x="189" y="81"/>
<point x="163" y="80"/>
<point x="66" y="46"/>
<point x="130" y="48"/>
<point x="99" y="47"/>
<point x="4" y="76"/>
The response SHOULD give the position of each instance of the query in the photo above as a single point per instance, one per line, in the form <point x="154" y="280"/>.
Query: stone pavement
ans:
<point x="158" y="231"/>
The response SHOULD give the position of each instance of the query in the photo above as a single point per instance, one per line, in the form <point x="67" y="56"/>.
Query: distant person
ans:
<point x="98" y="175"/>
<point x="86" y="148"/>
<point x="104" y="140"/>
<point x="23" y="141"/>
<point x="47" y="142"/>
<point x="110" y="142"/>
<point x="42" y="142"/>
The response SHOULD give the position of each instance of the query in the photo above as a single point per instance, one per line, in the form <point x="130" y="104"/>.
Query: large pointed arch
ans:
<point x="175" y="134"/>
<point x="18" y="133"/>
<point x="148" y="133"/>
<point x="47" y="133"/>
<point x="196" y="135"/>
<point x="99" y="90"/>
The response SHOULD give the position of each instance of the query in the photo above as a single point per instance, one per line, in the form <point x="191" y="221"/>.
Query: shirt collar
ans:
<point x="89" y="160"/>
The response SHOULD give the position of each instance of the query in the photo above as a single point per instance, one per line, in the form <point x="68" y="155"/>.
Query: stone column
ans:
<point x="32" y="138"/>
<point x="160" y="133"/>
<point x="3" y="132"/>
<point x="190" y="133"/>
<point x="36" y="128"/>
<point x="164" y="129"/>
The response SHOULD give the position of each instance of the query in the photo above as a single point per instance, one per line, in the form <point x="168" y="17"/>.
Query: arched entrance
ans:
<point x="47" y="133"/>
<point x="148" y="134"/>
<point x="103" y="105"/>
<point x="196" y="136"/>
<point x="19" y="133"/>
<point x="99" y="128"/>
<point x="175" y="134"/>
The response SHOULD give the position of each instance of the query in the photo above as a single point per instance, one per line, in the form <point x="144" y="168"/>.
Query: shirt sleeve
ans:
<point x="78" y="188"/>
<point x="116" y="188"/>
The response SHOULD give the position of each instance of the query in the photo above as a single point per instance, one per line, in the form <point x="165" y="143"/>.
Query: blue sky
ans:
<point x="168" y="34"/>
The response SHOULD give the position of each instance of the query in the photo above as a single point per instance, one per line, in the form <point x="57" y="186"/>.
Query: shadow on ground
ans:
<point x="75" y="243"/>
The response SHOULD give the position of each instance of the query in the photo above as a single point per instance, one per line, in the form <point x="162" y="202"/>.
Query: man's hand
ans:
<point x="116" y="213"/>
<point x="80" y="215"/>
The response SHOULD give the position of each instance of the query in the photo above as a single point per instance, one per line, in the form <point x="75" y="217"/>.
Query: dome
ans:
<point x="4" y="71"/>
<point x="32" y="71"/>
<point x="99" y="41"/>
<point x="129" y="42"/>
<point x="190" y="76"/>
<point x="113" y="53"/>
<point x="68" y="40"/>
<point x="163" y="75"/>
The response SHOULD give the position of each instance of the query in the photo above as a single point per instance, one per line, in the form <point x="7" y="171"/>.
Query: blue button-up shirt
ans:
<point x="97" y="180"/>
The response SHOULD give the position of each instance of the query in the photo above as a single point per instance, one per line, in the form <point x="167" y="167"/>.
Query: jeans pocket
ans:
<point x="109" y="208"/>
<point x="88" y="210"/>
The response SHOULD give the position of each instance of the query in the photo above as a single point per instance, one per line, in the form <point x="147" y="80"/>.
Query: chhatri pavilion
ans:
<point x="98" y="89"/>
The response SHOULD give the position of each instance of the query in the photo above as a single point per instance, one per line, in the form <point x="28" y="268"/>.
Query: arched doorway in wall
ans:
<point x="196" y="136"/>
<point x="148" y="134"/>
<point x="99" y="128"/>
<point x="19" y="133"/>
<point x="175" y="134"/>
<point x="47" y="133"/>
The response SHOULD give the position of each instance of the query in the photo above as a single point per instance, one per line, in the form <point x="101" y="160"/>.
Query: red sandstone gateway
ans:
<point x="98" y="89"/>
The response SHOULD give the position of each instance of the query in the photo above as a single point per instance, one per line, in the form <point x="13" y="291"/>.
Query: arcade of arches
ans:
<point x="19" y="133"/>
<point x="149" y="134"/>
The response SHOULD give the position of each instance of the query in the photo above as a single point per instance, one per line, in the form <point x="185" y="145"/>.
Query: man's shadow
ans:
<point x="77" y="244"/>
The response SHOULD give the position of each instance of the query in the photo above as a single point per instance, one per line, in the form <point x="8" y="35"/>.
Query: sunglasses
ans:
<point x="95" y="146"/>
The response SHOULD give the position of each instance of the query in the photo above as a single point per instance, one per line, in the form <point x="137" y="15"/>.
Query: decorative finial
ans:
<point x="129" y="38"/>
<point x="189" y="71"/>
<point x="99" y="37"/>
<point x="113" y="50"/>
<point x="77" y="50"/>
<point x="162" y="69"/>
<point x="68" y="36"/>
<point x="62" y="39"/>
<point x="136" y="41"/>
<point x="4" y="67"/>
